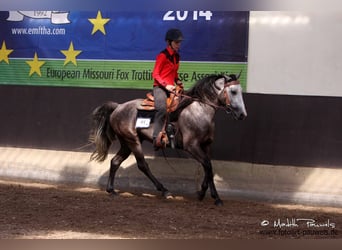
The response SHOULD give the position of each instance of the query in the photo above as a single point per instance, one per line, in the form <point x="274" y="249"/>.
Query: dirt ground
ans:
<point x="44" y="211"/>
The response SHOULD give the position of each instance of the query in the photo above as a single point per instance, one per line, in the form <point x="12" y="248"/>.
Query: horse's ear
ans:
<point x="233" y="77"/>
<point x="221" y="81"/>
<point x="239" y="75"/>
<point x="226" y="78"/>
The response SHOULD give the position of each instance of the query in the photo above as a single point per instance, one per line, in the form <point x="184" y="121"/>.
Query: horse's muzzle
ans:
<point x="242" y="116"/>
<point x="237" y="114"/>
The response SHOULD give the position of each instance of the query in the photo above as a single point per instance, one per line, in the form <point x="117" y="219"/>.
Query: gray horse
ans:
<point x="194" y="126"/>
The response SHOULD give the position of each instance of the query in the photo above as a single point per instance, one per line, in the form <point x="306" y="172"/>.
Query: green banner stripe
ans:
<point x="107" y="74"/>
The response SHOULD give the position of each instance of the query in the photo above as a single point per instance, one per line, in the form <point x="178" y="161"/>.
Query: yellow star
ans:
<point x="70" y="54"/>
<point x="4" y="52"/>
<point x="98" y="23"/>
<point x="35" y="65"/>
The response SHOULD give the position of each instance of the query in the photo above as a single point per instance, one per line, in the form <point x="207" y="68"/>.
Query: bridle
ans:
<point x="228" y="82"/>
<point x="227" y="85"/>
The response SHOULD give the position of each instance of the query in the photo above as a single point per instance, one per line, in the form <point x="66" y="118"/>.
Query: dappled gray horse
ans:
<point x="194" y="126"/>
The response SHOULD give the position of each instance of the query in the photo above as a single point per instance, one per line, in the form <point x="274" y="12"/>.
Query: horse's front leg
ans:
<point x="209" y="179"/>
<point x="201" y="155"/>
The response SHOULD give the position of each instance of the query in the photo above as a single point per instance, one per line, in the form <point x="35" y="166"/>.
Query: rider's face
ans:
<point x="176" y="45"/>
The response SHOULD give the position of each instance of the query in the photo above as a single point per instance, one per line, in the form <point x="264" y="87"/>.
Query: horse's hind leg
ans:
<point x="143" y="166"/>
<point x="115" y="163"/>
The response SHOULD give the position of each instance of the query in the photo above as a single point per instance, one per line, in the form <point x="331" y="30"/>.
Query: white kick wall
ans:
<point x="295" y="53"/>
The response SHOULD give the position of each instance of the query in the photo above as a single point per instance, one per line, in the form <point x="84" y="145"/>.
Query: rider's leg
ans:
<point x="159" y="119"/>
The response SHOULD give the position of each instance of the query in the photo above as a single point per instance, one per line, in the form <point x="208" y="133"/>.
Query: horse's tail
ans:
<point x="102" y="134"/>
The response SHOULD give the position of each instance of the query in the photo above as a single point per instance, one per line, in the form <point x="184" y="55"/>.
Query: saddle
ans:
<point x="171" y="102"/>
<point x="166" y="136"/>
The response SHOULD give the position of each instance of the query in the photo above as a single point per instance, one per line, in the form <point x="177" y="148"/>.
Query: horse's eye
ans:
<point x="233" y="92"/>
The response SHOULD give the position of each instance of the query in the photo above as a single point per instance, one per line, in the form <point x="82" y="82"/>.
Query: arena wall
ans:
<point x="279" y="129"/>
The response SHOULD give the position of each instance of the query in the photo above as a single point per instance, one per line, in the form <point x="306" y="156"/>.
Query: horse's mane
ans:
<point x="203" y="89"/>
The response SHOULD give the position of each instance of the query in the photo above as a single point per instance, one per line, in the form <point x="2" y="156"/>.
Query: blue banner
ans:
<point x="54" y="41"/>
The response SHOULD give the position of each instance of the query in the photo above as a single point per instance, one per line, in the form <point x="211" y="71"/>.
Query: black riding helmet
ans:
<point x="174" y="35"/>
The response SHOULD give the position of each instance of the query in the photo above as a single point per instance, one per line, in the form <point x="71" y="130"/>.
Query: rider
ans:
<point x="165" y="75"/>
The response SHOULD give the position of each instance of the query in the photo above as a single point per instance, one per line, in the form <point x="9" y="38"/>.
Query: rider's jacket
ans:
<point x="165" y="70"/>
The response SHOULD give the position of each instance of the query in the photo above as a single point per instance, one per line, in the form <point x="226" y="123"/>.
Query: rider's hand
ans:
<point x="180" y="84"/>
<point x="170" y="88"/>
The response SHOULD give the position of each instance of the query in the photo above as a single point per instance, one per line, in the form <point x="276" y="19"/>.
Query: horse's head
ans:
<point x="231" y="95"/>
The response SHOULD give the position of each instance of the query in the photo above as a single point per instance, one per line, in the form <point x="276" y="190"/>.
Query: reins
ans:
<point x="213" y="105"/>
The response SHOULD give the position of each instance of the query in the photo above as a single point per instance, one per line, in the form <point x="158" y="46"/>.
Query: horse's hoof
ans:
<point x="219" y="203"/>
<point x="200" y="195"/>
<point x="167" y="195"/>
<point x="111" y="192"/>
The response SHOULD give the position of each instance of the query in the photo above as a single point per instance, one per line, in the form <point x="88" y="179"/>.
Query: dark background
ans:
<point x="279" y="129"/>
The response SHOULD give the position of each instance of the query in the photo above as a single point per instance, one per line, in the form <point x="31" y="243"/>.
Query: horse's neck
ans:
<point x="203" y="109"/>
<point x="209" y="105"/>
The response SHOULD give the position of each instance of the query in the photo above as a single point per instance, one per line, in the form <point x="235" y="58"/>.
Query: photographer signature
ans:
<point x="294" y="222"/>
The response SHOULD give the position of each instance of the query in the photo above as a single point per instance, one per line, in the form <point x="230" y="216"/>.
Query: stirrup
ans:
<point x="170" y="132"/>
<point x="161" y="141"/>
